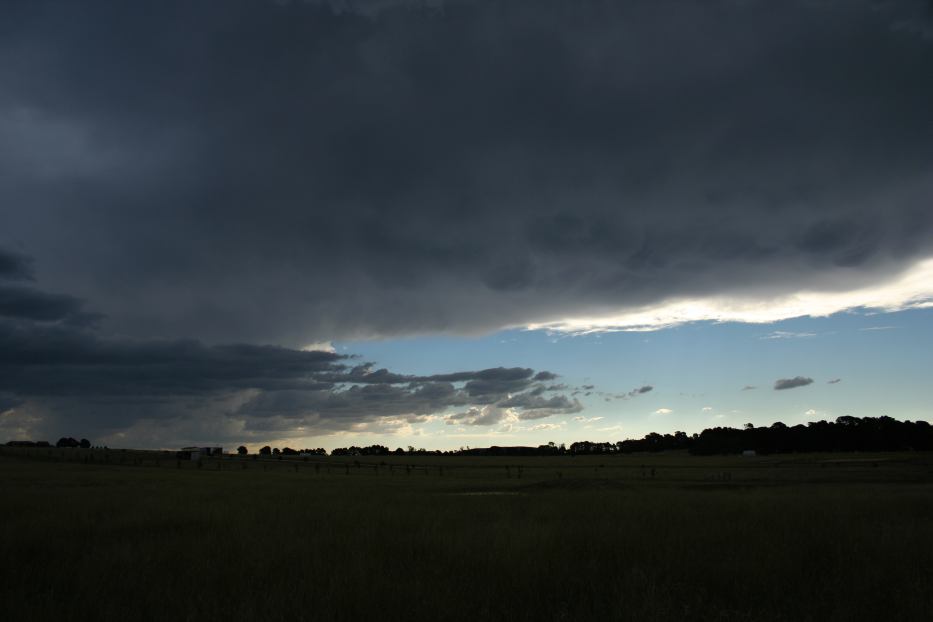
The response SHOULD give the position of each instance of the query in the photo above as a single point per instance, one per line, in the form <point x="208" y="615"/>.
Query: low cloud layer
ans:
<point x="292" y="172"/>
<point x="791" y="383"/>
<point x="58" y="377"/>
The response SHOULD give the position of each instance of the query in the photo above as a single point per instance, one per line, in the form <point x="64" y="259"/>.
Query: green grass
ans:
<point x="815" y="537"/>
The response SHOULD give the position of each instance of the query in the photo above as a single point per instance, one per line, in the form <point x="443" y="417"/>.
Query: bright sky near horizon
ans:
<point x="861" y="365"/>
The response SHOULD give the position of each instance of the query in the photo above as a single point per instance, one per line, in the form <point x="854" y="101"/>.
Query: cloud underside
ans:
<point x="60" y="376"/>
<point x="289" y="173"/>
<point x="56" y="374"/>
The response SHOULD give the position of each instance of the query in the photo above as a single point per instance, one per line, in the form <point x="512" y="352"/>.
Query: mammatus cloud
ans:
<point x="791" y="383"/>
<point x="293" y="172"/>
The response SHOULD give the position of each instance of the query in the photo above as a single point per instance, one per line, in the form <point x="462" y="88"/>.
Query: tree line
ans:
<point x="844" y="434"/>
<point x="65" y="441"/>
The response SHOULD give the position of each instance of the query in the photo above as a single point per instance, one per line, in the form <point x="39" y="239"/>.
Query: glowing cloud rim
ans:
<point x="912" y="289"/>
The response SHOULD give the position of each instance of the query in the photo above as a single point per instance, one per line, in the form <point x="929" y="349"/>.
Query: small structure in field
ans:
<point x="196" y="453"/>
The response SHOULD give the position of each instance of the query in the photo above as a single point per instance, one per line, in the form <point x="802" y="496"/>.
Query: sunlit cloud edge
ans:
<point x="911" y="289"/>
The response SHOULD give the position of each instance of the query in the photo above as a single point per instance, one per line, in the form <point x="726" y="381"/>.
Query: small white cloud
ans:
<point x="811" y="413"/>
<point x="783" y="334"/>
<point x="663" y="411"/>
<point x="319" y="346"/>
<point x="707" y="409"/>
<point x="612" y="428"/>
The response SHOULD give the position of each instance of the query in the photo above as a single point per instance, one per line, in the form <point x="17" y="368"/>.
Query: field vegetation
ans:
<point x="106" y="535"/>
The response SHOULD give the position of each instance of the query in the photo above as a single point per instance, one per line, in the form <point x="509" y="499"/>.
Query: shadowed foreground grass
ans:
<point x="792" y="540"/>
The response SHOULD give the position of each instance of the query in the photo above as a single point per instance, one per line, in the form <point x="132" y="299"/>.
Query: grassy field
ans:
<point x="93" y="535"/>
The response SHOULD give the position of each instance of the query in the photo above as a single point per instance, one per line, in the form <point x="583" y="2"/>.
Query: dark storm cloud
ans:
<point x="14" y="266"/>
<point x="8" y="401"/>
<point x="62" y="374"/>
<point x="62" y="360"/>
<point x="283" y="171"/>
<point x="32" y="304"/>
<point x="791" y="383"/>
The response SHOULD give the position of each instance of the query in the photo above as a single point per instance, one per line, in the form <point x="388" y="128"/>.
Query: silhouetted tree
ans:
<point x="265" y="451"/>
<point x="242" y="450"/>
<point x="845" y="434"/>
<point x="84" y="444"/>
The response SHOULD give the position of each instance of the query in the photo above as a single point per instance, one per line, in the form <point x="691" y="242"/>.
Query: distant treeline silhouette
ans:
<point x="845" y="434"/>
<point x="65" y="441"/>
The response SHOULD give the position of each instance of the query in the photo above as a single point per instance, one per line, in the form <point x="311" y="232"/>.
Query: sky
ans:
<point x="452" y="223"/>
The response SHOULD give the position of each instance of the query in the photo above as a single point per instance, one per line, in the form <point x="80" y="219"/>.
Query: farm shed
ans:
<point x="196" y="453"/>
